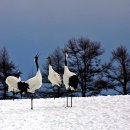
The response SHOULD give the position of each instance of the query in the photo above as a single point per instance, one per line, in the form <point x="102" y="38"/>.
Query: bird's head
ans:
<point x="66" y="53"/>
<point x="49" y="59"/>
<point x="18" y="74"/>
<point x="36" y="57"/>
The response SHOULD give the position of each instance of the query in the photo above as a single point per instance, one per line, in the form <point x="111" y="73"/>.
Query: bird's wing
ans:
<point x="57" y="77"/>
<point x="54" y="77"/>
<point x="67" y="74"/>
<point x="34" y="84"/>
<point x="31" y="82"/>
<point x="12" y="82"/>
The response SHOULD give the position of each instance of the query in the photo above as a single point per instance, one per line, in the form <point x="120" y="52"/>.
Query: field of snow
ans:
<point x="90" y="113"/>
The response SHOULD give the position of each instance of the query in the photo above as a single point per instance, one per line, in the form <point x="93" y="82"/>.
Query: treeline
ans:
<point x="85" y="59"/>
<point x="94" y="75"/>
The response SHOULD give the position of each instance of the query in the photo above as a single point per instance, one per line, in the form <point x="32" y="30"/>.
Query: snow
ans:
<point x="89" y="113"/>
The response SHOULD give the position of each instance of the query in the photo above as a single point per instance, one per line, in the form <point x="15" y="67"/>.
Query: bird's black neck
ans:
<point x="17" y="75"/>
<point x="49" y="61"/>
<point x="65" y="60"/>
<point x="37" y="64"/>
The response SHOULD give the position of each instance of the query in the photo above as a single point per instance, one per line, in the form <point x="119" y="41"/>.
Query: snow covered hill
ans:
<point x="90" y="113"/>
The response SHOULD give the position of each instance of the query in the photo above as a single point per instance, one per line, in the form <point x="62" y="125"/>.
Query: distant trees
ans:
<point x="94" y="75"/>
<point x="7" y="67"/>
<point x="119" y="70"/>
<point x="85" y="61"/>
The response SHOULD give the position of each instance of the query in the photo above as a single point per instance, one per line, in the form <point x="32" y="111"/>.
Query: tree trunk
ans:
<point x="124" y="90"/>
<point x="83" y="94"/>
<point x="83" y="91"/>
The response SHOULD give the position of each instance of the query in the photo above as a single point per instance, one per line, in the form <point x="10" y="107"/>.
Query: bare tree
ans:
<point x="85" y="61"/>
<point x="119" y="71"/>
<point x="7" y="68"/>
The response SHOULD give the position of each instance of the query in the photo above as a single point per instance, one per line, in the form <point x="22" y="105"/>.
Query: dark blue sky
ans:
<point x="31" y="26"/>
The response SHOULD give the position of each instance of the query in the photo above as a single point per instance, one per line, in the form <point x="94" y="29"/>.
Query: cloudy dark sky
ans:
<point x="31" y="26"/>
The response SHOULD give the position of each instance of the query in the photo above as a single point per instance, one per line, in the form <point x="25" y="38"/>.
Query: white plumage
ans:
<point x="34" y="82"/>
<point x="12" y="83"/>
<point x="67" y="74"/>
<point x="53" y="76"/>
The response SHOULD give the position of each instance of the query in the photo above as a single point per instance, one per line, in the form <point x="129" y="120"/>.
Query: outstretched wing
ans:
<point x="12" y="81"/>
<point x="57" y="77"/>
